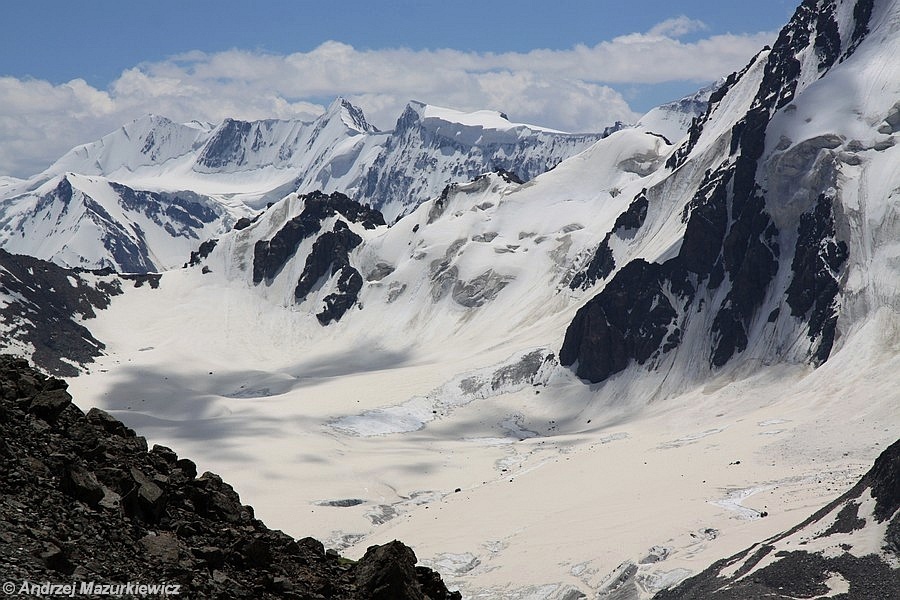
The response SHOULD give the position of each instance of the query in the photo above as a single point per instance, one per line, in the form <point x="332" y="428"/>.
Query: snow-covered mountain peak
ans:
<point x="238" y="146"/>
<point x="147" y="141"/>
<point x="350" y="115"/>
<point x="432" y="146"/>
<point x="91" y="222"/>
<point x="451" y="122"/>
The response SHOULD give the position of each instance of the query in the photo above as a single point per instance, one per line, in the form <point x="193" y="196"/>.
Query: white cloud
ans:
<point x="677" y="27"/>
<point x="563" y="89"/>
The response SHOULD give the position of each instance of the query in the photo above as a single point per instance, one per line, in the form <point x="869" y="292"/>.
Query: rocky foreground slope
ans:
<point x="84" y="500"/>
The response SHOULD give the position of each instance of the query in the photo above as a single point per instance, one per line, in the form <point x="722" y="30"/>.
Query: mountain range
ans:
<point x="635" y="352"/>
<point x="141" y="198"/>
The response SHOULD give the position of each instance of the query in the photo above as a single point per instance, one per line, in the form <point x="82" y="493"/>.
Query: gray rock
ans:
<point x="108" y="423"/>
<point x="481" y="290"/>
<point x="162" y="547"/>
<point x="49" y="404"/>
<point x="82" y="485"/>
<point x="379" y="272"/>
<point x="388" y="573"/>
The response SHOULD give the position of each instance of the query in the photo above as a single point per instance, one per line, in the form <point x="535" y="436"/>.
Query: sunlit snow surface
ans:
<point x="541" y="484"/>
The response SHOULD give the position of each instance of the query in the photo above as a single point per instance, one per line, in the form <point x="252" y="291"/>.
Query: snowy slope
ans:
<point x="725" y="310"/>
<point x="145" y="142"/>
<point x="7" y="182"/>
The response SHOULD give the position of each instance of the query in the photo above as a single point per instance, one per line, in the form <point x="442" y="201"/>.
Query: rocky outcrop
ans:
<point x="43" y="305"/>
<point x="85" y="500"/>
<point x="270" y="256"/>
<point x="828" y="555"/>
<point x="203" y="251"/>
<point x="633" y="319"/>
<point x="330" y="257"/>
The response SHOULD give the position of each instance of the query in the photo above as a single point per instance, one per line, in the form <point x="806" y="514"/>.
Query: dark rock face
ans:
<point x="813" y="291"/>
<point x="227" y="145"/>
<point x="203" y="251"/>
<point x="242" y="223"/>
<point x="330" y="256"/>
<point x="45" y="303"/>
<point x="387" y="572"/>
<point x="630" y="320"/>
<point x="828" y="38"/>
<point x="84" y="500"/>
<point x="884" y="479"/>
<point x="750" y="255"/>
<point x="707" y="223"/>
<point x="601" y="341"/>
<point x="48" y="404"/>
<point x="269" y="257"/>
<point x="730" y="240"/>
<point x="803" y="574"/>
<point x="862" y="13"/>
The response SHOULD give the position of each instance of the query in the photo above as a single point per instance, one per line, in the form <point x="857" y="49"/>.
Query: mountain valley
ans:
<point x="557" y="366"/>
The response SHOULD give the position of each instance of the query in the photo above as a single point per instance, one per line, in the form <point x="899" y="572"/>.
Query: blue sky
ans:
<point x="75" y="70"/>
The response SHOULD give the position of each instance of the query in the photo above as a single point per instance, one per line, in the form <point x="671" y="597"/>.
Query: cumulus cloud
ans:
<point x="563" y="89"/>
